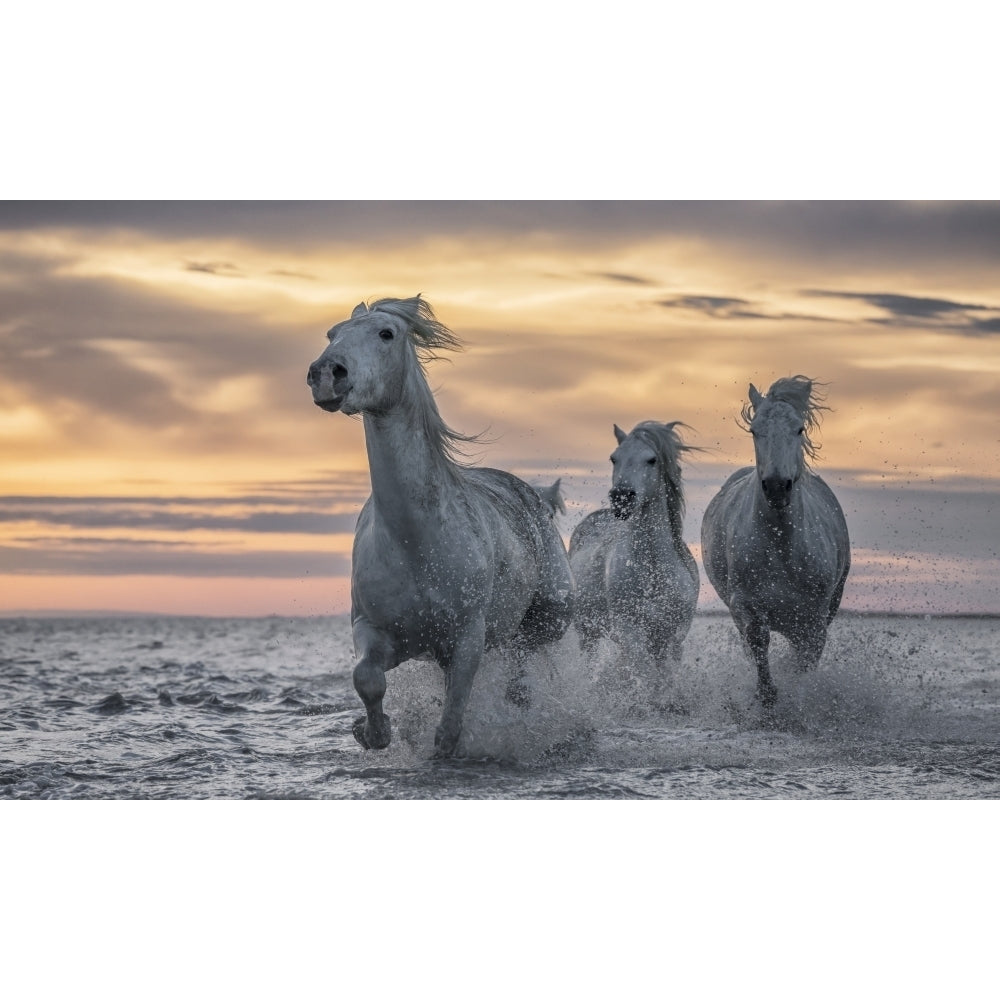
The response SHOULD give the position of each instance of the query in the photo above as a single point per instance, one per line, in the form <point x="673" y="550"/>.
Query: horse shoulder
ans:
<point x="829" y="517"/>
<point x="725" y="511"/>
<point x="822" y="492"/>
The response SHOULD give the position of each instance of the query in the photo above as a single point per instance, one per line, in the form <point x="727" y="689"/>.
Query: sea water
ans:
<point x="210" y="708"/>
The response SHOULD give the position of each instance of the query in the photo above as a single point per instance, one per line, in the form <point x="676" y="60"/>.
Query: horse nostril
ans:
<point x="313" y="377"/>
<point x="788" y="486"/>
<point x="339" y="371"/>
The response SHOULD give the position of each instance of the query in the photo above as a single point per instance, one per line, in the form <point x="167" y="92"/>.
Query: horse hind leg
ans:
<point x="544" y="622"/>
<point x="517" y="691"/>
<point x="808" y="644"/>
<point x="838" y="593"/>
<point x="460" y="664"/>
<point x="372" y="730"/>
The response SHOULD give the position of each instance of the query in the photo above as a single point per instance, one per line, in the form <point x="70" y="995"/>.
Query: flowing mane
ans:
<point x="428" y="334"/>
<point x="667" y="445"/>
<point x="428" y="337"/>
<point x="805" y="396"/>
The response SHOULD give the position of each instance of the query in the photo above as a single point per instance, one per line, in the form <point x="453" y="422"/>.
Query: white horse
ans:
<point x="774" y="539"/>
<point x="448" y="560"/>
<point x="636" y="579"/>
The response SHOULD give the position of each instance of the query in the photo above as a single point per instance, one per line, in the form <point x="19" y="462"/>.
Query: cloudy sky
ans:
<point x="161" y="451"/>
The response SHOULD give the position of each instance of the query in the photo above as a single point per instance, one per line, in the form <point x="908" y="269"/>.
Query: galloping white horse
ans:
<point x="774" y="539"/>
<point x="636" y="579"/>
<point x="448" y="560"/>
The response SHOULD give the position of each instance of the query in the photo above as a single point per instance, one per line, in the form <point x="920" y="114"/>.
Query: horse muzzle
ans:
<point x="622" y="502"/>
<point x="777" y="491"/>
<point x="329" y="383"/>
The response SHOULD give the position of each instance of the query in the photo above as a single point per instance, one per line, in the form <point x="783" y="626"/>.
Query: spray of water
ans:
<point x="877" y="679"/>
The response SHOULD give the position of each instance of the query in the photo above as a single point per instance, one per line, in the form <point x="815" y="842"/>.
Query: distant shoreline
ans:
<point x="69" y="615"/>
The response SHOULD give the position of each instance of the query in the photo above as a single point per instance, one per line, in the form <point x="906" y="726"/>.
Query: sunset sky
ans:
<point x="161" y="452"/>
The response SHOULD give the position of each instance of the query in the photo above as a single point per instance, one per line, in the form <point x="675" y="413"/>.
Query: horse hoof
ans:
<point x="363" y="734"/>
<point x="445" y="745"/>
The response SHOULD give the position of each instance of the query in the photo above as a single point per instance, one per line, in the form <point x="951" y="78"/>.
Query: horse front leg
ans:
<point x="375" y="655"/>
<point x="757" y="637"/>
<point x="460" y="663"/>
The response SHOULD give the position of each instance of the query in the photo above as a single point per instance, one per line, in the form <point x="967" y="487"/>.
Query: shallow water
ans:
<point x="196" y="708"/>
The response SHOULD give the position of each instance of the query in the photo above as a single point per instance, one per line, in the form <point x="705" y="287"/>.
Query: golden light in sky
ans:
<point x="161" y="451"/>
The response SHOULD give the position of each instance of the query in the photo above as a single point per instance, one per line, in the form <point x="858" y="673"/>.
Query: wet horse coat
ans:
<point x="774" y="539"/>
<point x="448" y="560"/>
<point x="637" y="581"/>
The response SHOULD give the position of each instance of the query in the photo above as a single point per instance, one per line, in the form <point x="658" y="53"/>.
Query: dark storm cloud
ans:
<point x="910" y="310"/>
<point x="855" y="230"/>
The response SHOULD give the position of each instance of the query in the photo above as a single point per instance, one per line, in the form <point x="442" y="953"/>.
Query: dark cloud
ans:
<point x="915" y="310"/>
<point x="711" y="304"/>
<point x="223" y="270"/>
<point x="987" y="326"/>
<point x="77" y="343"/>
<point x="626" y="279"/>
<point x="871" y="231"/>
<point x="904" y="305"/>
<point x="723" y="307"/>
<point x="70" y="375"/>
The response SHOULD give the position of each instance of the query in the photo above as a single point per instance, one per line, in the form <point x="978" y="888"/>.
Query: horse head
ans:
<point x="363" y="369"/>
<point x="636" y="478"/>
<point x="376" y="355"/>
<point x="779" y="423"/>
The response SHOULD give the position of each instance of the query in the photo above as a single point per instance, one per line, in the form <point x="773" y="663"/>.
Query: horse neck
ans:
<point x="648" y="523"/>
<point x="410" y="472"/>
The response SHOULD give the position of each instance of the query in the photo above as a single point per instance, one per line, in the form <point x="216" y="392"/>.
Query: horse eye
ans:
<point x="386" y="334"/>
<point x="613" y="459"/>
<point x="650" y="461"/>
<point x="800" y="430"/>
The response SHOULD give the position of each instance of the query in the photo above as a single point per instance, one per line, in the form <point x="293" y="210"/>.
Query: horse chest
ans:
<point x="419" y="589"/>
<point x="783" y="570"/>
<point x="639" y="573"/>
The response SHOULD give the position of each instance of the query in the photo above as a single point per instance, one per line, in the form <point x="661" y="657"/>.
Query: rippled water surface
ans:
<point x="199" y="708"/>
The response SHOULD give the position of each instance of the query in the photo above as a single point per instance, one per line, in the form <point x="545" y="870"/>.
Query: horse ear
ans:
<point x="620" y="434"/>
<point x="359" y="310"/>
<point x="755" y="397"/>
